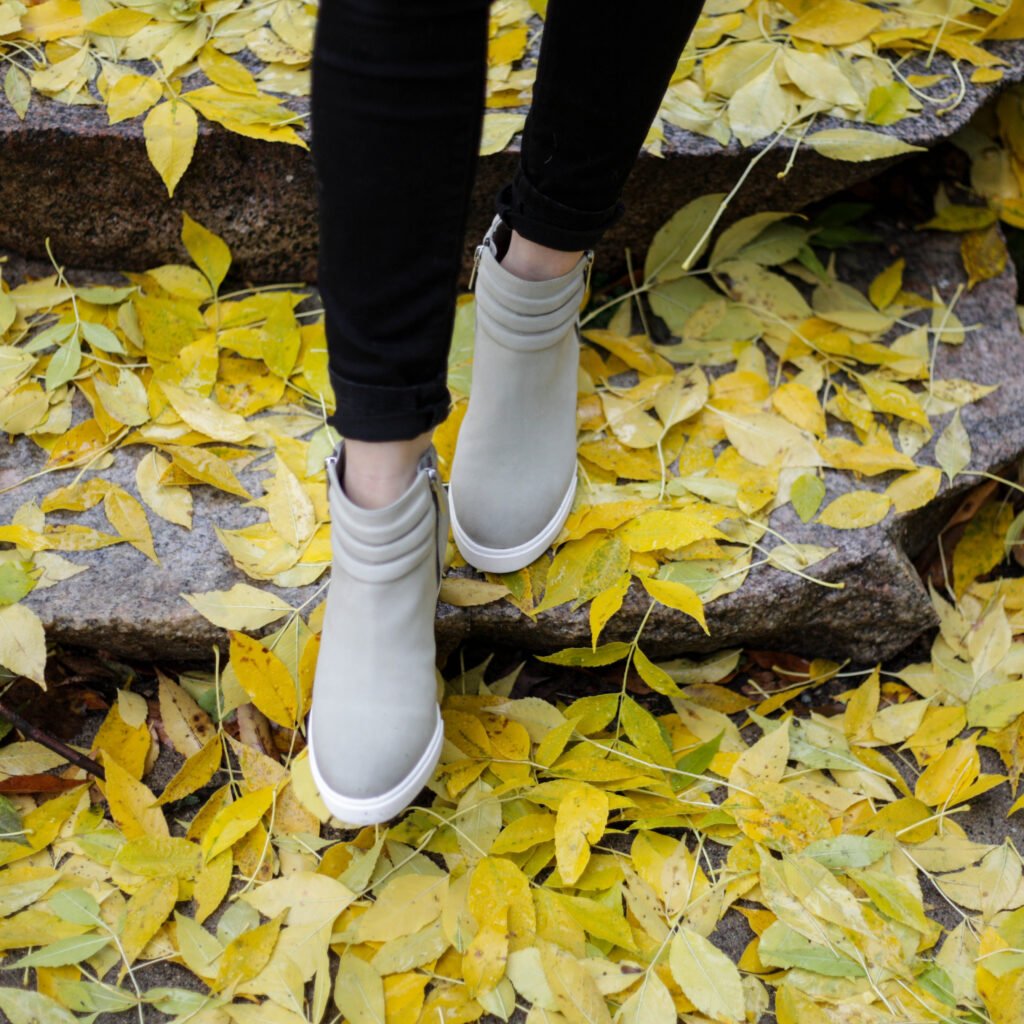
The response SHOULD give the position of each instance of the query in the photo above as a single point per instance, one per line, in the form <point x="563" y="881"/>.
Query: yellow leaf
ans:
<point x="915" y="489"/>
<point x="707" y="977"/>
<point x="171" y="503"/>
<point x="128" y="517"/>
<point x="576" y="994"/>
<point x="245" y="956"/>
<point x="359" y="991"/>
<point x="159" y="857"/>
<point x="984" y="254"/>
<point x="206" y="467"/>
<point x="887" y="285"/>
<point x="209" y="252"/>
<point x="241" y="607"/>
<point x="405" y="905"/>
<point x="55" y="19"/>
<point x="185" y="722"/>
<point x="195" y="773"/>
<point x="226" y="72"/>
<point x="580" y="822"/>
<point x="129" y="745"/>
<point x="119" y="22"/>
<point x="22" y="642"/>
<point x="235" y="821"/>
<point x="132" y="804"/>
<point x="800" y="405"/>
<point x="857" y="145"/>
<point x="206" y="416"/>
<point x="131" y="94"/>
<point x="265" y="678"/>
<point x="605" y="605"/>
<point x="855" y="510"/>
<point x="983" y="544"/>
<point x="144" y="913"/>
<point x="212" y="884"/>
<point x="946" y="779"/>
<point x="660" y="529"/>
<point x="835" y="22"/>
<point x="290" y="508"/>
<point x="862" y="708"/>
<point x="463" y="592"/>
<point x="171" y="130"/>
<point x="678" y="596"/>
<point x="889" y="396"/>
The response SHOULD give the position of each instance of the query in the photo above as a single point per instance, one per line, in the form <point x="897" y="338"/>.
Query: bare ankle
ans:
<point x="534" y="262"/>
<point x="378" y="473"/>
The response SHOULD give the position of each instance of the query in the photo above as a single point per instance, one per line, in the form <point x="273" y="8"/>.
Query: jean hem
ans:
<point x="375" y="412"/>
<point x="545" y="221"/>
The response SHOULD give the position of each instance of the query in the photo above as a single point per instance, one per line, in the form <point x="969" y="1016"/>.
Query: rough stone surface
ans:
<point x="88" y="186"/>
<point x="126" y="604"/>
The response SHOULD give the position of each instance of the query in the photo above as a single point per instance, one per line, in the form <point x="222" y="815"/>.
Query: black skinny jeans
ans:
<point x="397" y="104"/>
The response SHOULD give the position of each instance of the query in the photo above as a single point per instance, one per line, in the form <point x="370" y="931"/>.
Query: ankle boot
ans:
<point x="513" y="477"/>
<point x="375" y="729"/>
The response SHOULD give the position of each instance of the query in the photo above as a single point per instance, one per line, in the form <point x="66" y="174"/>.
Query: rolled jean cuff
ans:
<point x="551" y="223"/>
<point x="371" y="412"/>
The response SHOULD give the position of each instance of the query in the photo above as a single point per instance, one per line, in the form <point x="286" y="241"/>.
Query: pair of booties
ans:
<point x="375" y="731"/>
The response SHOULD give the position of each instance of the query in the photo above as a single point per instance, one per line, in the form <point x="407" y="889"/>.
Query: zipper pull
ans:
<point x="477" y="257"/>
<point x="589" y="257"/>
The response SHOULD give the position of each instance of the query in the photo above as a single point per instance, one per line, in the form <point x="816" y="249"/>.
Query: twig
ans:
<point x="83" y="762"/>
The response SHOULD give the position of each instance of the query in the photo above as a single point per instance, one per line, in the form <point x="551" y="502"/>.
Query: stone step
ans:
<point x="66" y="175"/>
<point x="125" y="604"/>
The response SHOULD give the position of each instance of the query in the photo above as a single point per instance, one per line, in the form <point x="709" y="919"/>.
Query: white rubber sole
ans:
<point x="378" y="809"/>
<point x="510" y="559"/>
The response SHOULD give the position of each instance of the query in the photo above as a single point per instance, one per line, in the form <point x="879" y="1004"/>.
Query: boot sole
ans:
<point x="488" y="559"/>
<point x="377" y="809"/>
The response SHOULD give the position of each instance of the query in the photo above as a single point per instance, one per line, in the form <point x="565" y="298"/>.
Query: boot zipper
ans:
<point x="589" y="257"/>
<point x="477" y="257"/>
<point x="436" y="493"/>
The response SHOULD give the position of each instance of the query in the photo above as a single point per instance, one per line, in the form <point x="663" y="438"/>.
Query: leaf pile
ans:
<point x="750" y="70"/>
<point x="586" y="860"/>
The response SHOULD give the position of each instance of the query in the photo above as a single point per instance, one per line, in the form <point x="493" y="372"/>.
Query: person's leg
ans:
<point x="398" y="95"/>
<point x="603" y="71"/>
<point x="602" y="74"/>
<point x="397" y="102"/>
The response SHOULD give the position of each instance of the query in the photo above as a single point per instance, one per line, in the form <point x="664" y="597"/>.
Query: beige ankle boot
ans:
<point x="513" y="477"/>
<point x="375" y="729"/>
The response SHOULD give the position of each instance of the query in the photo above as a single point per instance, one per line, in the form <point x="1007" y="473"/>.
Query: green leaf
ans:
<point x="11" y="828"/>
<point x="848" y="851"/>
<point x="105" y="295"/>
<point x="857" y="145"/>
<point x="806" y="494"/>
<point x="88" y="997"/>
<point x="64" y="364"/>
<point x="696" y="762"/>
<point x="781" y="946"/>
<point x="15" y="581"/>
<point x="584" y="657"/>
<point x="71" y="950"/>
<point x="675" y="240"/>
<point x="76" y="906"/>
<point x="102" y="338"/>
<point x="23" y="1006"/>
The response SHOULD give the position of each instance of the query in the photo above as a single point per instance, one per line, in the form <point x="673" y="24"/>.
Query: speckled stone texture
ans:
<point x="88" y="186"/>
<point x="126" y="604"/>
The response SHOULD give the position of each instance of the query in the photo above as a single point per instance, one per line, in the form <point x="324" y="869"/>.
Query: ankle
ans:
<point x="533" y="262"/>
<point x="378" y="473"/>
